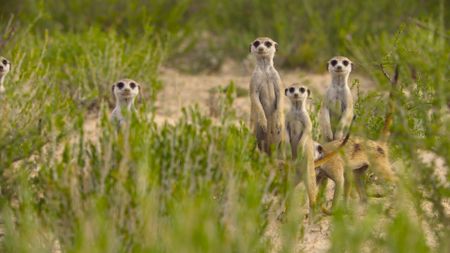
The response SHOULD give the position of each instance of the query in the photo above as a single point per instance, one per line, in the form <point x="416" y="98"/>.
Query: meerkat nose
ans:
<point x="260" y="49"/>
<point x="339" y="67"/>
<point x="296" y="95"/>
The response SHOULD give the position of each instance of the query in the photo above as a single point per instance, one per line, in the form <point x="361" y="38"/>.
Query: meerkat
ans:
<point x="266" y="117"/>
<point x="125" y="92"/>
<point x="5" y="66"/>
<point x="361" y="154"/>
<point x="336" y="112"/>
<point x="299" y="129"/>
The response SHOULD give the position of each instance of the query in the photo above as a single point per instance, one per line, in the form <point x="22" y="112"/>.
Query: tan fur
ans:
<point x="336" y="113"/>
<point x="266" y="117"/>
<point x="299" y="127"/>
<point x="125" y="92"/>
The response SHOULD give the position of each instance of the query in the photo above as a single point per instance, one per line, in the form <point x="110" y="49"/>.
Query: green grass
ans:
<point x="199" y="186"/>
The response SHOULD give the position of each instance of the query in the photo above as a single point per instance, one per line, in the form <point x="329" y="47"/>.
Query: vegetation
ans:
<point x="198" y="186"/>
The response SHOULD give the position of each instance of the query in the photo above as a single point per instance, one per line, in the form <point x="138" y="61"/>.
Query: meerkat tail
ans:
<point x="390" y="110"/>
<point x="319" y="162"/>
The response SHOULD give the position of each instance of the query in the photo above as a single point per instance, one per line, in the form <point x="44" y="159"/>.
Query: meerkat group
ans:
<point x="335" y="158"/>
<point x="340" y="157"/>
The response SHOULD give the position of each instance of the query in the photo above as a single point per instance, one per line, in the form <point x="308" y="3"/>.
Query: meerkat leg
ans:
<point x="348" y="179"/>
<point x="310" y="179"/>
<point x="321" y="181"/>
<point x="359" y="182"/>
<point x="261" y="138"/>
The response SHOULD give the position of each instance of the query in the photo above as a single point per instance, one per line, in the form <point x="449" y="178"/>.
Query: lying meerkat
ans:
<point x="336" y="113"/>
<point x="299" y="129"/>
<point x="358" y="155"/>
<point x="266" y="115"/>
<point x="5" y="66"/>
<point x="125" y="92"/>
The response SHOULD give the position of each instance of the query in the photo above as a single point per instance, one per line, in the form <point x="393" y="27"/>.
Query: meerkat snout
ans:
<point x="339" y="64"/>
<point x="263" y="46"/>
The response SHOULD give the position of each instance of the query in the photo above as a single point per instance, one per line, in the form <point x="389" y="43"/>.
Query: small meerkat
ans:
<point x="266" y="114"/>
<point x="5" y="66"/>
<point x="125" y="92"/>
<point x="336" y="113"/>
<point x="299" y="129"/>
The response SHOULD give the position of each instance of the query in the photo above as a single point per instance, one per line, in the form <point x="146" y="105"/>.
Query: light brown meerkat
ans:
<point x="299" y="129"/>
<point x="336" y="113"/>
<point x="5" y="66"/>
<point x="360" y="154"/>
<point x="125" y="92"/>
<point x="266" y="114"/>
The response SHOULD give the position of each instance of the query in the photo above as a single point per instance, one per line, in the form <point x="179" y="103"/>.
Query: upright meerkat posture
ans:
<point x="336" y="112"/>
<point x="299" y="127"/>
<point x="266" y="117"/>
<point x="125" y="92"/>
<point x="5" y="66"/>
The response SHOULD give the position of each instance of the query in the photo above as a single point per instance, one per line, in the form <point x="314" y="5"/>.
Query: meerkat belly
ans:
<point x="267" y="98"/>
<point x="296" y="131"/>
<point x="336" y="109"/>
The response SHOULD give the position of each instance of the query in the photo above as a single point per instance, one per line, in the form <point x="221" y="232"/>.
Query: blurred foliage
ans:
<point x="198" y="185"/>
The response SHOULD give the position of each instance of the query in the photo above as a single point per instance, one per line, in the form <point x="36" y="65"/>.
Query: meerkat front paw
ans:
<point x="262" y="122"/>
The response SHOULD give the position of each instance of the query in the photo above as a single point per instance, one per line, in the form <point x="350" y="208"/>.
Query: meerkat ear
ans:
<point x="326" y="66"/>
<point x="250" y="48"/>
<point x="140" y="93"/>
<point x="112" y="88"/>
<point x="276" y="46"/>
<point x="286" y="91"/>
<point x="309" y="92"/>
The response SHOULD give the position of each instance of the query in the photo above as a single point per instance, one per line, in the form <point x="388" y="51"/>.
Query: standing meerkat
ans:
<point x="266" y="117"/>
<point x="5" y="66"/>
<point x="336" y="113"/>
<point x="299" y="129"/>
<point x="125" y="92"/>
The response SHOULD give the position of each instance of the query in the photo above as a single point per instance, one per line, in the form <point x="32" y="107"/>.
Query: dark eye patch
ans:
<point x="333" y="63"/>
<point x="5" y="62"/>
<point x="292" y="90"/>
<point x="302" y="90"/>
<point x="268" y="44"/>
<point x="120" y="85"/>
<point x="256" y="43"/>
<point x="132" y="85"/>
<point x="345" y="62"/>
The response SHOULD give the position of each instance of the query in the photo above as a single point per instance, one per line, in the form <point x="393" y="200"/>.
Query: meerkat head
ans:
<point x="339" y="65"/>
<point x="5" y="66"/>
<point x="263" y="47"/>
<point x="297" y="92"/>
<point x="318" y="151"/>
<point x="126" y="90"/>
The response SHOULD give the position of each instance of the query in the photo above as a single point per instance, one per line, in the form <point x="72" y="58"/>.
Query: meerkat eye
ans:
<point x="292" y="90"/>
<point x="268" y="44"/>
<point x="333" y="63"/>
<point x="5" y="62"/>
<point x="345" y="62"/>
<point x="132" y="85"/>
<point x="120" y="85"/>
<point x="256" y="43"/>
<point x="302" y="90"/>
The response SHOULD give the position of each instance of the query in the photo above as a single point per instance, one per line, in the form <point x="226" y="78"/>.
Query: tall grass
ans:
<point x="199" y="186"/>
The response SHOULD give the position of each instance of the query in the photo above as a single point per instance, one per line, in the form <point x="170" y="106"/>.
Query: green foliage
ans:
<point x="198" y="185"/>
